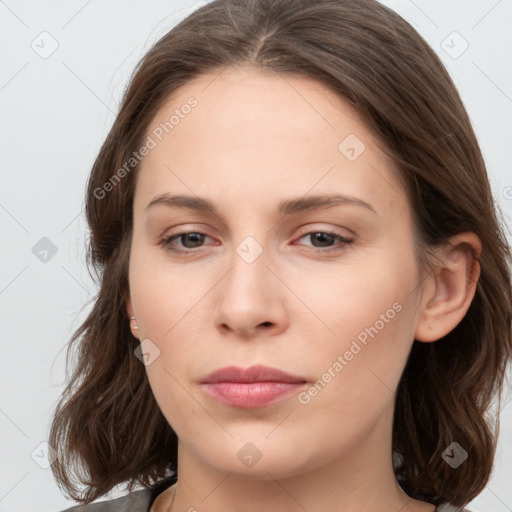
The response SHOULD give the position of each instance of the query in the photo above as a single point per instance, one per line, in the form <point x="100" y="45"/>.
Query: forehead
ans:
<point x="255" y="134"/>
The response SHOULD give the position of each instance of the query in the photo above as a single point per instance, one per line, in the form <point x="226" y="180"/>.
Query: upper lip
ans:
<point x="256" y="373"/>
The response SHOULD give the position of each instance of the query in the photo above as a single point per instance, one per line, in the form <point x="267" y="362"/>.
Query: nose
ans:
<point x="251" y="299"/>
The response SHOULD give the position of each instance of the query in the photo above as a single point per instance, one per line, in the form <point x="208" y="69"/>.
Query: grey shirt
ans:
<point x="136" y="501"/>
<point x="142" y="500"/>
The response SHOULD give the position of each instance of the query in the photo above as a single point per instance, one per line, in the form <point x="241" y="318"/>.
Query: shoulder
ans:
<point x="136" y="501"/>
<point x="446" y="507"/>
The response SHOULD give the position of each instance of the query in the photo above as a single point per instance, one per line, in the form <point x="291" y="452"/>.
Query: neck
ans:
<point x="361" y="479"/>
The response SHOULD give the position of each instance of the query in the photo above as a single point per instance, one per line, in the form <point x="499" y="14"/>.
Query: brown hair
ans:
<point x="108" y="428"/>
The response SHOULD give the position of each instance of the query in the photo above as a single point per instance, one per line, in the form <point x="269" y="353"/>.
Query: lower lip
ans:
<point x="251" y="394"/>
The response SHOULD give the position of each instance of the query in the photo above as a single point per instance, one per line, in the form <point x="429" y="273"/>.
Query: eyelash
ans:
<point x="166" y="242"/>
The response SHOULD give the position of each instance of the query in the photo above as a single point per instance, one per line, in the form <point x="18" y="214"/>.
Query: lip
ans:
<point x="255" y="373"/>
<point x="256" y="386"/>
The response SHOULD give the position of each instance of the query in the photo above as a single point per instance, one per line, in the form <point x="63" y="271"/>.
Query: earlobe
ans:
<point x="133" y="320"/>
<point x="453" y="287"/>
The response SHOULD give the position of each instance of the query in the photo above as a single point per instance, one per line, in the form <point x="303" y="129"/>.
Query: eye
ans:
<point x="322" y="241"/>
<point x="190" y="240"/>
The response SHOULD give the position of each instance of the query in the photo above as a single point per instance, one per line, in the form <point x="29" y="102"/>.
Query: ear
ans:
<point x="452" y="287"/>
<point x="133" y="321"/>
<point x="129" y="307"/>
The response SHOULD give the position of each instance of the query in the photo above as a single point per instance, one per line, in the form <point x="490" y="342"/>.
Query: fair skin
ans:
<point x="256" y="139"/>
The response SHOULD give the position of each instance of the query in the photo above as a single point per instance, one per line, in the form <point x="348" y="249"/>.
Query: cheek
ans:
<point x="167" y="301"/>
<point x="352" y="299"/>
<point x="163" y="294"/>
<point x="358" y="371"/>
<point x="370" y="312"/>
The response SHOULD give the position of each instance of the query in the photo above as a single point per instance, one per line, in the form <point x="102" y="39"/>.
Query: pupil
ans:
<point x="323" y="237"/>
<point x="191" y="236"/>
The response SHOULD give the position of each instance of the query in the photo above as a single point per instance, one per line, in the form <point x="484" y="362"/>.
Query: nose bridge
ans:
<point x="249" y="296"/>
<point x="250" y="245"/>
<point x="249" y="267"/>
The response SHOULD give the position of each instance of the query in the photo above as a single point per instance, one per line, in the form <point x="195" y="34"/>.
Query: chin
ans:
<point x="258" y="458"/>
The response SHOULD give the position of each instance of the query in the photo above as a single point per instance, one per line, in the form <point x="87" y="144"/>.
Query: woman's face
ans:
<point x="301" y="259"/>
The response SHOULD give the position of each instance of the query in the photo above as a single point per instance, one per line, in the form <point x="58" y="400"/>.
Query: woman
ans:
<point x="304" y="291"/>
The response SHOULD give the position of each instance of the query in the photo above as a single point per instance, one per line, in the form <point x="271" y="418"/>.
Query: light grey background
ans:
<point x="55" y="111"/>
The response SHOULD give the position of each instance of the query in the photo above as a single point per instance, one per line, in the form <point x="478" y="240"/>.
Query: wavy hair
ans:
<point x="107" y="427"/>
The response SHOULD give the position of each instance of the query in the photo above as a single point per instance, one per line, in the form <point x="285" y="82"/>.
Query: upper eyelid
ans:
<point x="308" y="230"/>
<point x="304" y="228"/>
<point x="303" y="231"/>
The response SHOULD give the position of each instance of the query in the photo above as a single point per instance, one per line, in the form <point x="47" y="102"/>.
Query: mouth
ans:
<point x="256" y="386"/>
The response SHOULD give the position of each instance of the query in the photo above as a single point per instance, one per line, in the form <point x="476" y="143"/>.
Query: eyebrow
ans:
<point x="286" y="207"/>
